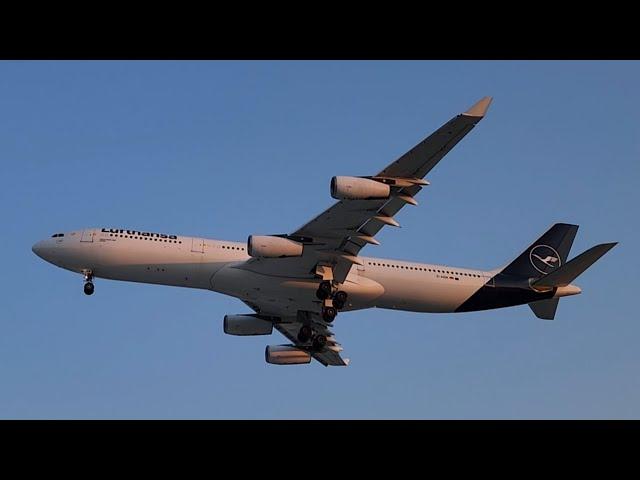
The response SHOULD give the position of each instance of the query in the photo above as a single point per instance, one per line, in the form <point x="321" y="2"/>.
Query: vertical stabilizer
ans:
<point x="545" y="309"/>
<point x="546" y="254"/>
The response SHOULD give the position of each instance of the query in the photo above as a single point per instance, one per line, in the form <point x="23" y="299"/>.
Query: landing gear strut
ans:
<point x="88" y="284"/>
<point x="332" y="300"/>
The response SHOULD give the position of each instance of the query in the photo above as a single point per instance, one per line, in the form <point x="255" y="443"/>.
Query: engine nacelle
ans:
<point x="247" y="325"/>
<point x="286" y="355"/>
<point x="272" y="247"/>
<point x="354" y="188"/>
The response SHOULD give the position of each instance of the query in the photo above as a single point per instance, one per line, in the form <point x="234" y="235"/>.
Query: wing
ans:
<point x="328" y="356"/>
<point x="336" y="236"/>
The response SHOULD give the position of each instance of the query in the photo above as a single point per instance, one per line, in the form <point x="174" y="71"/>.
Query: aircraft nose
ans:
<point x="38" y="248"/>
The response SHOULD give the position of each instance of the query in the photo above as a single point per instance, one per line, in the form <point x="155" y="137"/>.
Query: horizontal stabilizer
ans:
<point x="545" y="309"/>
<point x="568" y="272"/>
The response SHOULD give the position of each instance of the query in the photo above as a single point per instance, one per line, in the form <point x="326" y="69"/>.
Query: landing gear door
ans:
<point x="197" y="245"/>
<point x="87" y="235"/>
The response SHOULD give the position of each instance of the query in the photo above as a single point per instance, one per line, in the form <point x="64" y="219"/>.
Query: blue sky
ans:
<point x="227" y="149"/>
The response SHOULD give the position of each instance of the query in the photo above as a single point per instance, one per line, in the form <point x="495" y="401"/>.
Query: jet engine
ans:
<point x="355" y="188"/>
<point x="247" y="325"/>
<point x="272" y="247"/>
<point x="286" y="355"/>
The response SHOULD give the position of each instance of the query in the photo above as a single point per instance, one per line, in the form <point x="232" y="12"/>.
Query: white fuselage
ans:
<point x="221" y="266"/>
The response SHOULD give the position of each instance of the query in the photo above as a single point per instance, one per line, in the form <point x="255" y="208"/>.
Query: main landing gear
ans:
<point x="324" y="290"/>
<point x="340" y="299"/>
<point x="306" y="333"/>
<point x="319" y="342"/>
<point x="332" y="302"/>
<point x="329" y="313"/>
<point x="88" y="284"/>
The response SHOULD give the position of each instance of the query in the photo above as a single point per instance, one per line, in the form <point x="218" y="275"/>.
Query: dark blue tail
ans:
<point x="546" y="254"/>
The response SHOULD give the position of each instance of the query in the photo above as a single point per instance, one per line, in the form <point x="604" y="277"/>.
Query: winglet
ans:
<point x="479" y="108"/>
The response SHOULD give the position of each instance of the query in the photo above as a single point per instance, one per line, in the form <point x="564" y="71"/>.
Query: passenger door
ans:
<point x="197" y="245"/>
<point x="87" y="235"/>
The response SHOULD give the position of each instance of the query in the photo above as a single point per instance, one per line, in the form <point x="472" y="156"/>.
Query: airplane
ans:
<point x="298" y="282"/>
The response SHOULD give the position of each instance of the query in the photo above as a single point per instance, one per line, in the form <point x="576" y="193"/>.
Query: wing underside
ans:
<point x="332" y="240"/>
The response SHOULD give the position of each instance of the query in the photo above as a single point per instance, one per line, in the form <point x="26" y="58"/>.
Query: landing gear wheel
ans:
<point x="324" y="290"/>
<point x="305" y="333"/>
<point x="319" y="342"/>
<point x="340" y="300"/>
<point x="328" y="314"/>
<point x="88" y="288"/>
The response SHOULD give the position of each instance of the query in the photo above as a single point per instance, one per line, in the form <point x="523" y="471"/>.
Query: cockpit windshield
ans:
<point x="55" y="235"/>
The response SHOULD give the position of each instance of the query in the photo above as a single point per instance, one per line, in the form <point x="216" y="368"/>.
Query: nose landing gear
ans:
<point x="88" y="284"/>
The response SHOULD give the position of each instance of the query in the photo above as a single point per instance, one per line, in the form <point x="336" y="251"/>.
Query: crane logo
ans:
<point x="544" y="258"/>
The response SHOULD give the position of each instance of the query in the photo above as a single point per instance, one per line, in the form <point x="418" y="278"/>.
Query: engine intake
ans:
<point x="355" y="188"/>
<point x="246" y="325"/>
<point x="272" y="247"/>
<point x="286" y="355"/>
